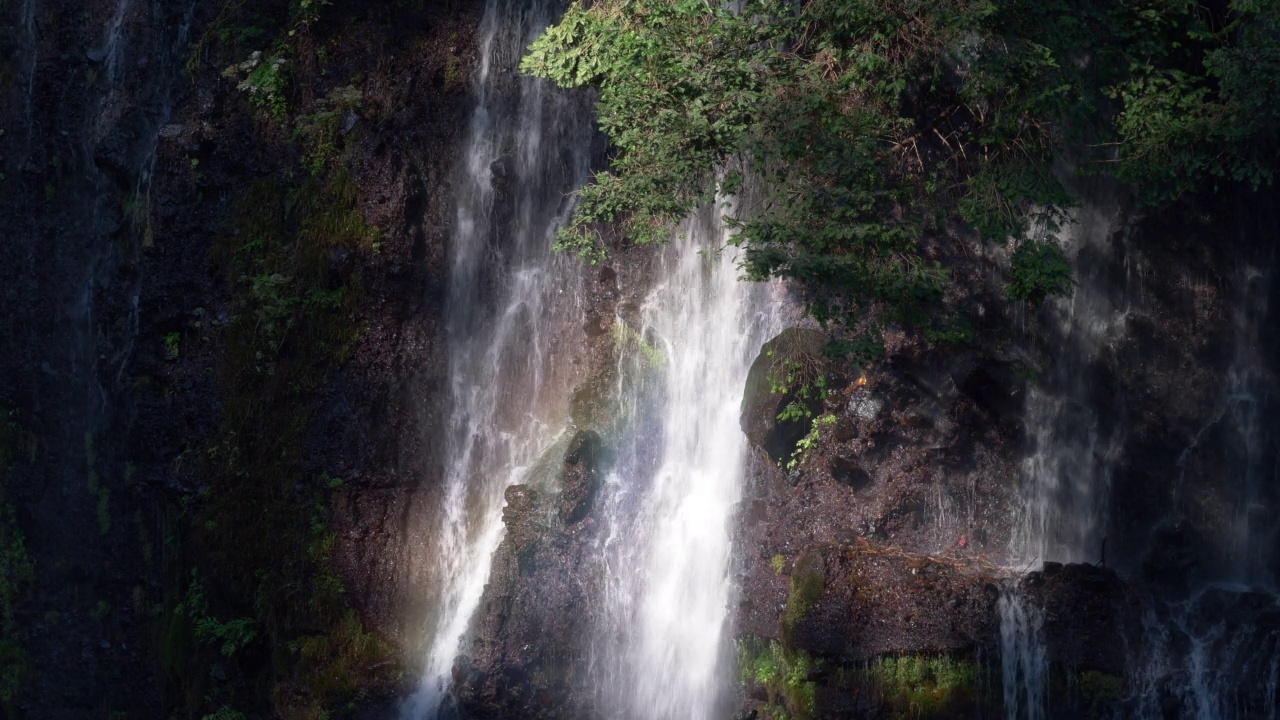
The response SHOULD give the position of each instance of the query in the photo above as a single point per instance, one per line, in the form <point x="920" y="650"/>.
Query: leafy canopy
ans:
<point x="876" y="129"/>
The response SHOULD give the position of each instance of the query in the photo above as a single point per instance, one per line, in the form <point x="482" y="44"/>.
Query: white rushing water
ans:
<point x="514" y="314"/>
<point x="664" y="650"/>
<point x="513" y="305"/>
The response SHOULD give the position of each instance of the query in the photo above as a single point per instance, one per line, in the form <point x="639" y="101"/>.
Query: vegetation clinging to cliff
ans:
<point x="256" y="615"/>
<point x="878" y="129"/>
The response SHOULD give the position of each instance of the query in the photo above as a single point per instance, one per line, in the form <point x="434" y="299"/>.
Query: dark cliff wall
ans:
<point x="877" y="565"/>
<point x="134" y="172"/>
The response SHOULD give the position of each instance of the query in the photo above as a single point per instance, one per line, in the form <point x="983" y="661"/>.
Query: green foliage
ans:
<point x="1206" y="111"/>
<point x="229" y="636"/>
<point x="798" y="372"/>
<point x="265" y="80"/>
<point x="778" y="563"/>
<point x="304" y="13"/>
<point x="319" y="131"/>
<point x="276" y="623"/>
<point x="784" y="673"/>
<point x="922" y="686"/>
<point x="1037" y="270"/>
<point x="453" y="77"/>
<point x="675" y="97"/>
<point x="875" y="129"/>
<point x="265" y="519"/>
<point x="334" y="661"/>
<point x="173" y="345"/>
<point x="1098" y="688"/>
<point x="810" y="441"/>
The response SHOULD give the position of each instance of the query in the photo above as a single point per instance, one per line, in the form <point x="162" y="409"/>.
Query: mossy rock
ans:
<point x="593" y="405"/>
<point x="808" y="581"/>
<point x="767" y="391"/>
<point x="926" y="686"/>
<point x="782" y="677"/>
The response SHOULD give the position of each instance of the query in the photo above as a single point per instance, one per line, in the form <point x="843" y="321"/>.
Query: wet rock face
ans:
<point x="857" y="602"/>
<point x="1191" y="362"/>
<point x="874" y="627"/>
<point x="525" y="654"/>
<point x="1088" y="610"/>
<point x="909" y="494"/>
<point x="120" y="169"/>
<point x="582" y="476"/>
<point x="81" y="105"/>
<point x="878" y="543"/>
<point x="911" y="454"/>
<point x="880" y="553"/>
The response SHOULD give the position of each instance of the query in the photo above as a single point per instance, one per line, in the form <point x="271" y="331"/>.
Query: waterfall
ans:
<point x="1216" y="653"/>
<point x="1073" y="441"/>
<point x="1073" y="444"/>
<point x="1208" y="645"/>
<point x="514" y="310"/>
<point x="664" y="649"/>
<point x="1023" y="662"/>
<point x="512" y="306"/>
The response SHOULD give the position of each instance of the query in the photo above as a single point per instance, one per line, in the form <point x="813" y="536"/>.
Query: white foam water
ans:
<point x="664" y="648"/>
<point x="513" y="309"/>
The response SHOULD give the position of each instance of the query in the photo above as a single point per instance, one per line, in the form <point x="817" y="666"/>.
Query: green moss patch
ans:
<point x="268" y="600"/>
<point x="785" y="675"/>
<point x="924" y="686"/>
<point x="808" y="580"/>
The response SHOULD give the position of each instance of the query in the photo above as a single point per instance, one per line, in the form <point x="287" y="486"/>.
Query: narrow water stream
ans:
<point x="512" y="306"/>
<point x="1072" y="444"/>
<point x="1200" y="639"/>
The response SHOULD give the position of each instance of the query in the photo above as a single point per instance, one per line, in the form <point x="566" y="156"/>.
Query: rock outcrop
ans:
<point x="528" y="654"/>
<point x="878" y="523"/>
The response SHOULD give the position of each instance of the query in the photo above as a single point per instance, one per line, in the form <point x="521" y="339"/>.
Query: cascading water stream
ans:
<point x="512" y="305"/>
<point x="1067" y="473"/>
<point x="1024" y="666"/>
<point x="663" y="650"/>
<point x="1073" y="442"/>
<point x="1209" y="650"/>
<point x="1216" y="653"/>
